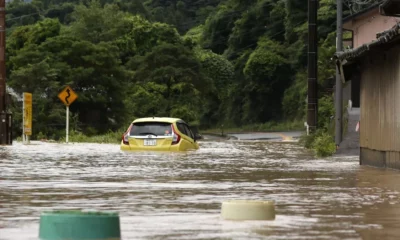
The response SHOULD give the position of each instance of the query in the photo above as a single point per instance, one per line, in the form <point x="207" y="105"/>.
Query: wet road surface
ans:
<point x="179" y="195"/>
<point x="273" y="136"/>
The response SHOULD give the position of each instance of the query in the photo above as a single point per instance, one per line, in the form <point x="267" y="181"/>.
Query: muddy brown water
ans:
<point x="179" y="195"/>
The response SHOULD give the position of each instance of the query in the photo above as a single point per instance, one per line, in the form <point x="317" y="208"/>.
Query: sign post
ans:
<point x="27" y="117"/>
<point x="67" y="125"/>
<point x="67" y="96"/>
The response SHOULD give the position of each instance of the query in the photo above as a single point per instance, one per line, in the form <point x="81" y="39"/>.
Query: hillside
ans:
<point x="211" y="62"/>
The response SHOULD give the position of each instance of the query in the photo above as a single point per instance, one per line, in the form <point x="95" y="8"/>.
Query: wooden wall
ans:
<point x="380" y="101"/>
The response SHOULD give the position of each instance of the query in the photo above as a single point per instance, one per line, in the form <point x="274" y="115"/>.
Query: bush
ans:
<point x="40" y="136"/>
<point x="325" y="111"/>
<point x="307" y="140"/>
<point x="324" y="145"/>
<point x="320" y="142"/>
<point x="110" y="137"/>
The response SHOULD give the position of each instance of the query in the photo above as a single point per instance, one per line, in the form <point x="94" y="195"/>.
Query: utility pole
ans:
<point x="338" y="89"/>
<point x="2" y="56"/>
<point x="312" y="103"/>
<point x="5" y="118"/>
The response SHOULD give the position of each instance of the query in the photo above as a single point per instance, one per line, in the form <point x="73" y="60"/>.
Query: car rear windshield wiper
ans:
<point x="148" y="133"/>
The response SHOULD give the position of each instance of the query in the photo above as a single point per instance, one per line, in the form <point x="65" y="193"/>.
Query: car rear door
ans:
<point x="189" y="136"/>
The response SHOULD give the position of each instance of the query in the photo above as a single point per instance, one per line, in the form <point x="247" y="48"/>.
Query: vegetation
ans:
<point x="211" y="62"/>
<point x="110" y="137"/>
<point x="321" y="142"/>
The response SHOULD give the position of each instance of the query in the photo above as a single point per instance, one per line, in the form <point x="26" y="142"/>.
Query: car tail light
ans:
<point x="175" y="136"/>
<point x="125" y="136"/>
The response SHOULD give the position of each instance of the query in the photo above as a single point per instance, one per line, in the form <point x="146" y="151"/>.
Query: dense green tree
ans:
<point x="21" y="13"/>
<point x="96" y="24"/>
<point x="184" y="14"/>
<point x="62" y="12"/>
<point x="220" y="73"/>
<point x="147" y="35"/>
<point x="218" y="27"/>
<point x="93" y="71"/>
<point x="261" y="19"/>
<point x="171" y="81"/>
<point x="267" y="74"/>
<point x="135" y="7"/>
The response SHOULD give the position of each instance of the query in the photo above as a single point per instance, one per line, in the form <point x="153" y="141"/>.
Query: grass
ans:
<point x="110" y="137"/>
<point x="78" y="137"/>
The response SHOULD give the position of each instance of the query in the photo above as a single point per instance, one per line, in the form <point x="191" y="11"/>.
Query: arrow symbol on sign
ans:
<point x="69" y="95"/>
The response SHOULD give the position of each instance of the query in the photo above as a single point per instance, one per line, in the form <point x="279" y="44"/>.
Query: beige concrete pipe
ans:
<point x="248" y="210"/>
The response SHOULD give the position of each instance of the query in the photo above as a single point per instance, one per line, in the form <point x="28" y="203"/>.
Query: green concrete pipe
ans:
<point x="78" y="225"/>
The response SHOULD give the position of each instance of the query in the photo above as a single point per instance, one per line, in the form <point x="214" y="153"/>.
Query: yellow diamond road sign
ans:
<point x="67" y="96"/>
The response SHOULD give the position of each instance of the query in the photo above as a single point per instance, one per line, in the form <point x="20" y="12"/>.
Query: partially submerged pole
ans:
<point x="5" y="118"/>
<point x="2" y="56"/>
<point x="338" y="88"/>
<point x="312" y="103"/>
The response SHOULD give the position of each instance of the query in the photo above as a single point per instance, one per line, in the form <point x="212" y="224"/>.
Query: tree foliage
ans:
<point x="210" y="62"/>
<point x="170" y="78"/>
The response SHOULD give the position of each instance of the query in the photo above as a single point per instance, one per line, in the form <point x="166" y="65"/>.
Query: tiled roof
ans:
<point x="390" y="8"/>
<point x="365" y="10"/>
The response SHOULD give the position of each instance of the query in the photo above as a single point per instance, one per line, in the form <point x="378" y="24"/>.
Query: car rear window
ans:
<point x="148" y="128"/>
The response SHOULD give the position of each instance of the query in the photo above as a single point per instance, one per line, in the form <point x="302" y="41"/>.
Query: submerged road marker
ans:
<point x="79" y="225"/>
<point x="248" y="210"/>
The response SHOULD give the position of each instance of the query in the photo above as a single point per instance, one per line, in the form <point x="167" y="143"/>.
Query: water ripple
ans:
<point x="178" y="195"/>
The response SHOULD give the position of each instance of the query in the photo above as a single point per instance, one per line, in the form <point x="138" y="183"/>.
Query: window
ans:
<point x="151" y="128"/>
<point x="190" y="134"/>
<point x="181" y="128"/>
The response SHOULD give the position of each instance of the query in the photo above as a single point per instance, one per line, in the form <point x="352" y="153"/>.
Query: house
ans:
<point x="376" y="64"/>
<point x="359" y="28"/>
<point x="363" y="27"/>
<point x="365" y="24"/>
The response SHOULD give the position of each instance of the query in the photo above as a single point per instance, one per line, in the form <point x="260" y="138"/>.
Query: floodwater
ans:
<point x="179" y="195"/>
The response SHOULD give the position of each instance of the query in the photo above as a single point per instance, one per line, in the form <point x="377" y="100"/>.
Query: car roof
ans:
<point x="158" y="119"/>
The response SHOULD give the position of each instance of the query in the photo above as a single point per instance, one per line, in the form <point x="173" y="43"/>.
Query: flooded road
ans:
<point x="178" y="196"/>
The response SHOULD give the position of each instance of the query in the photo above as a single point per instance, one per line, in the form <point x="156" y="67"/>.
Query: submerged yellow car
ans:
<point x="159" y="134"/>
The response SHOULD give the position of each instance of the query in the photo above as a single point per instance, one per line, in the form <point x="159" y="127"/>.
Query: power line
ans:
<point x="26" y="15"/>
<point x="230" y="14"/>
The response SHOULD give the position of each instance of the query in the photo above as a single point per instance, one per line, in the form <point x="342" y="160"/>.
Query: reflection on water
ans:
<point x="179" y="195"/>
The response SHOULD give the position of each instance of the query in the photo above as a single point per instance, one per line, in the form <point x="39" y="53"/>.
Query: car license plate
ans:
<point x="150" y="142"/>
